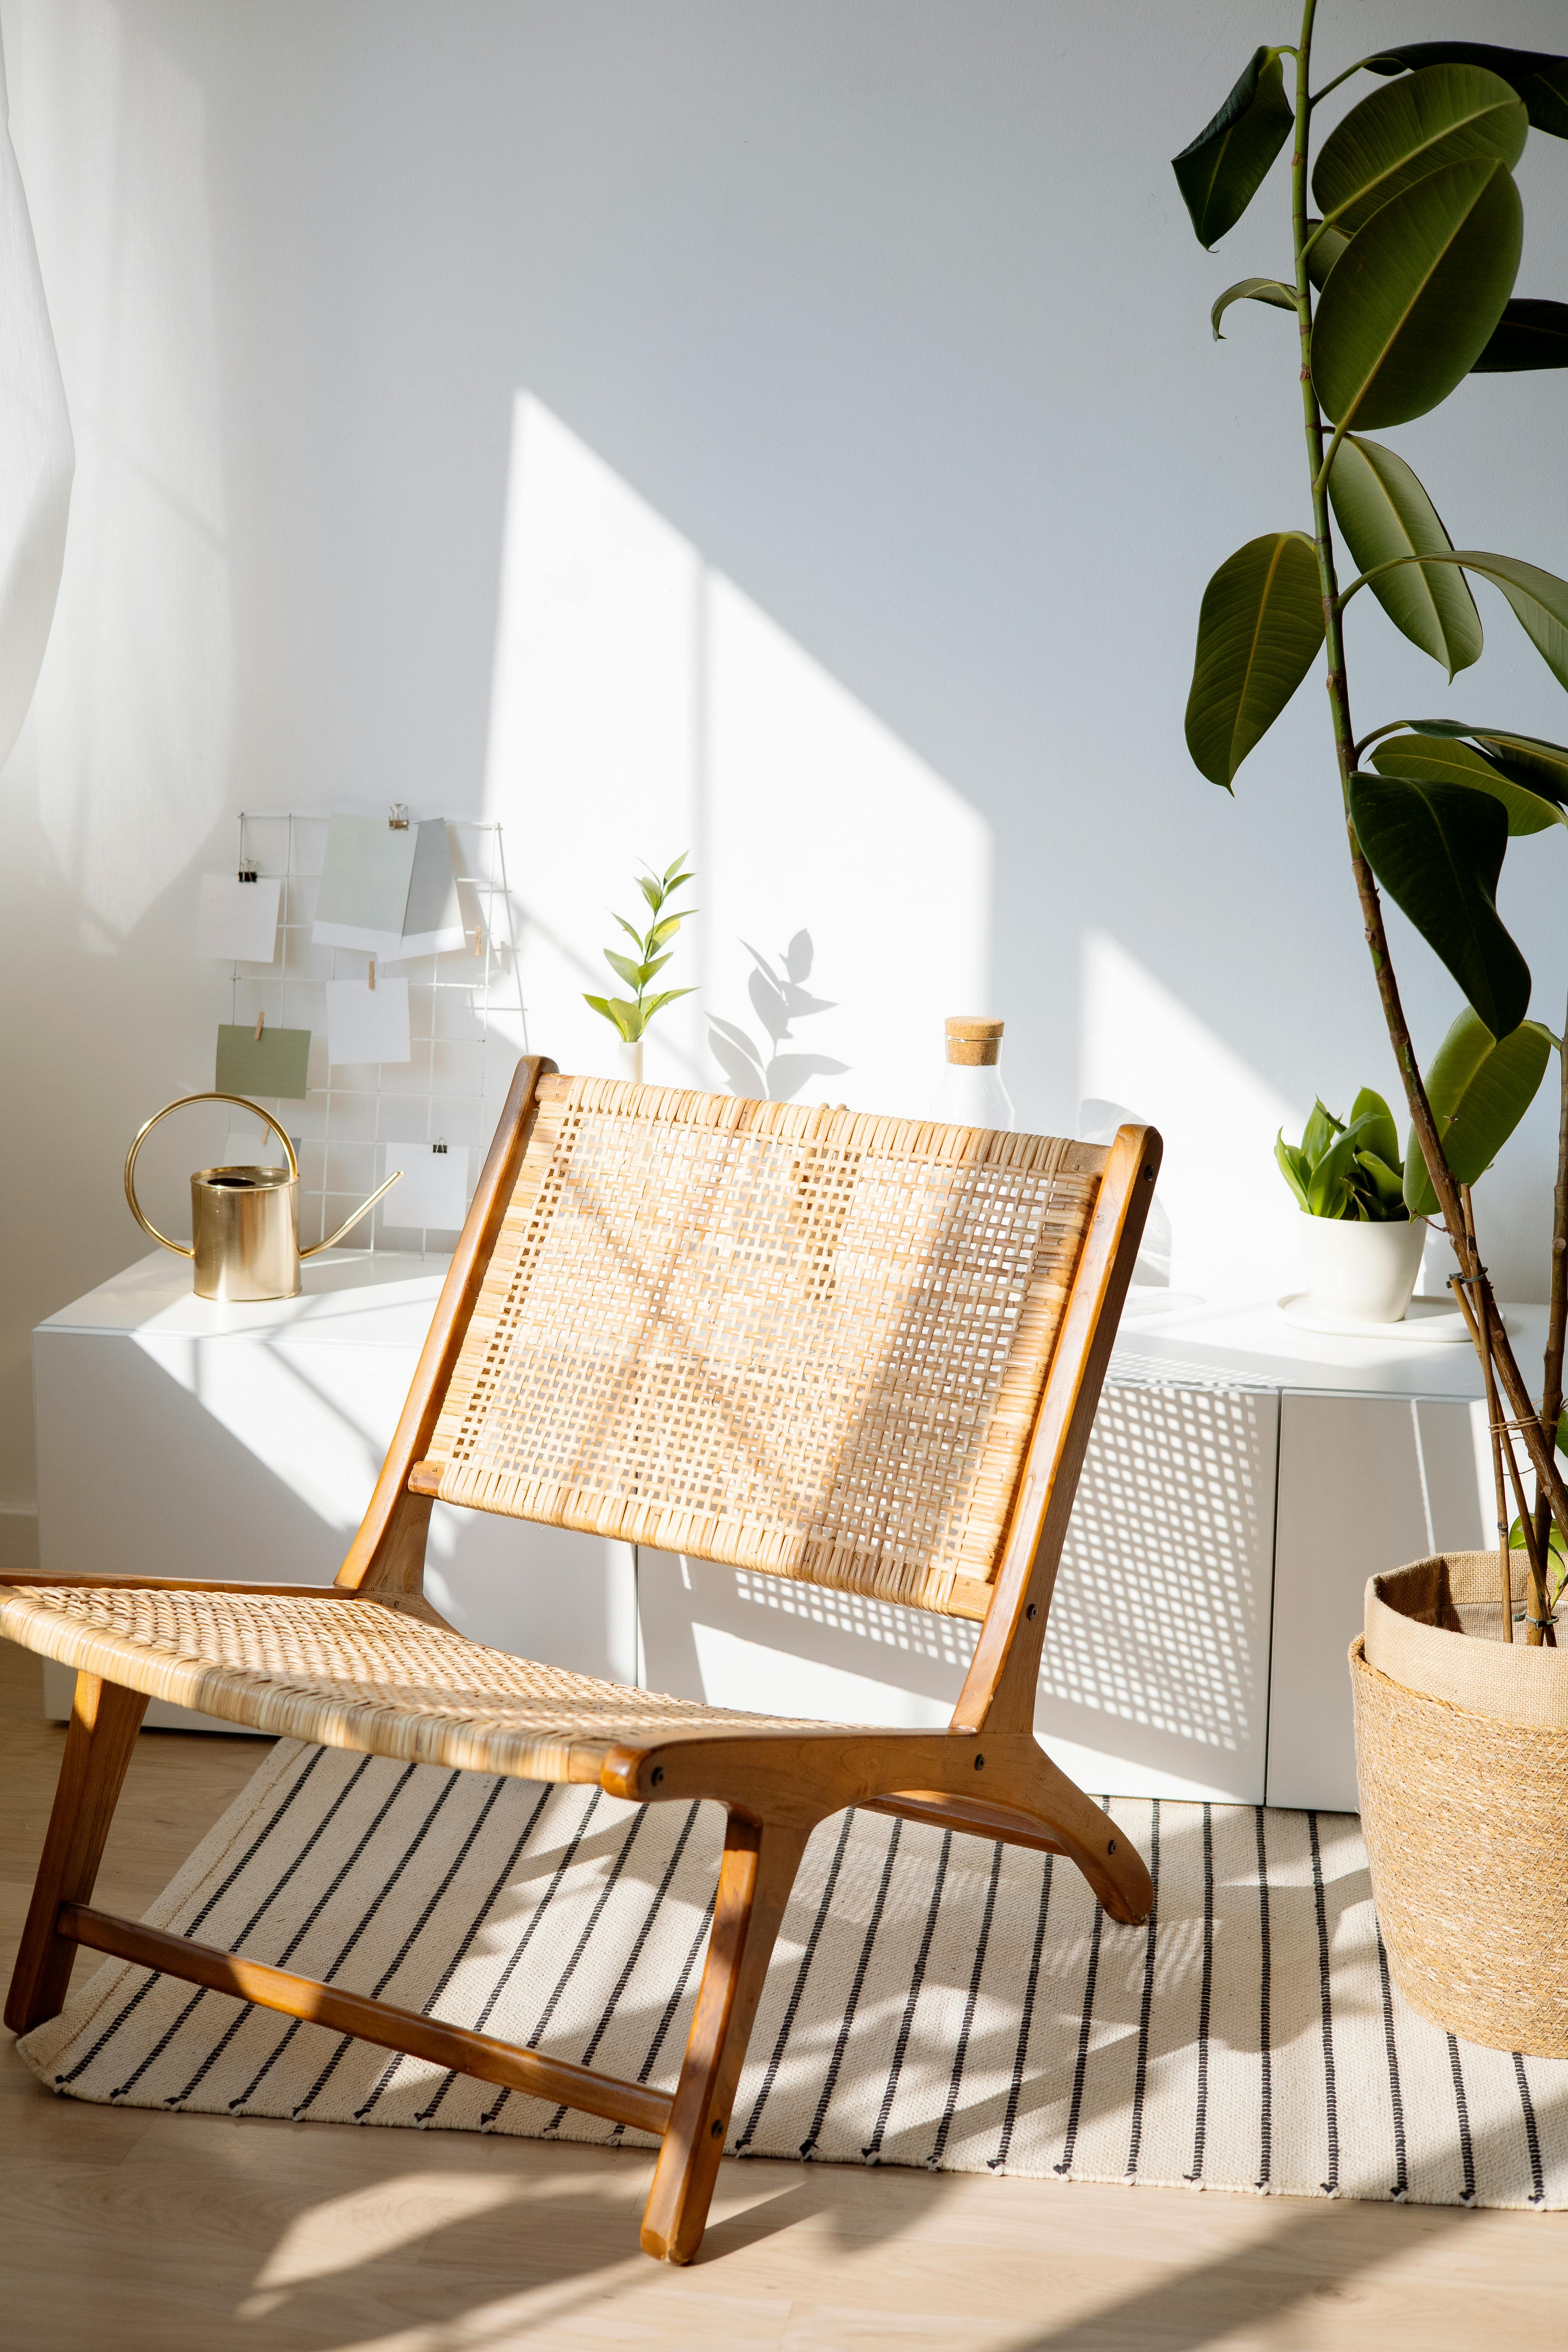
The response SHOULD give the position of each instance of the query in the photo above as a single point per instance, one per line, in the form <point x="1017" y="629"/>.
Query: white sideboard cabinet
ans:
<point x="1243" y="1481"/>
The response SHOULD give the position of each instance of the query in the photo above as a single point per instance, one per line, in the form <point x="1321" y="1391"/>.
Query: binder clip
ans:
<point x="398" y="819"/>
<point x="248" y="869"/>
<point x="439" y="1144"/>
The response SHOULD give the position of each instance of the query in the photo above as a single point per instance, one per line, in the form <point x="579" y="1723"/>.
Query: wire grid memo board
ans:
<point x="466" y="1017"/>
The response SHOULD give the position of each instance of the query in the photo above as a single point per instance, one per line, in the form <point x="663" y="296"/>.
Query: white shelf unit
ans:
<point x="466" y="1019"/>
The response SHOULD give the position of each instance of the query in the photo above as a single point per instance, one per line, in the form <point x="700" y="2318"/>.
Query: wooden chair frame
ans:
<point x="775" y="1786"/>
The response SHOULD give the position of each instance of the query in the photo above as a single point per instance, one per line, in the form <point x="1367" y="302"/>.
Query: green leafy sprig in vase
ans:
<point x="629" y="1017"/>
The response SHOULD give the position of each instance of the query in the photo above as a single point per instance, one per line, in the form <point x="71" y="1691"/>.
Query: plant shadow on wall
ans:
<point x="759" y="1074"/>
<point x="1400" y="285"/>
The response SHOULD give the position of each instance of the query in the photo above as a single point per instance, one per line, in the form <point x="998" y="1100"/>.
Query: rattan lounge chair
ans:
<point x="859" y="1350"/>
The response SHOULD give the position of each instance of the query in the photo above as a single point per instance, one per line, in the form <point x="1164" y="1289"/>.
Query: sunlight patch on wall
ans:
<point x="1235" y="1229"/>
<point x="131" y="719"/>
<point x="642" y="705"/>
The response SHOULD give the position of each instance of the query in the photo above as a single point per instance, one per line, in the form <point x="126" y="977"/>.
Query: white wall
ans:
<point x="790" y="431"/>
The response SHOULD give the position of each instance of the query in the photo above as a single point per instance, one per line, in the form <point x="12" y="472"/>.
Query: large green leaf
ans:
<point x="1329" y="1192"/>
<point x="1380" y="1135"/>
<point x="1442" y="114"/>
<point x="1227" y="162"/>
<point x="1259" y="628"/>
<point x="1323" y="251"/>
<point x="1527" y="760"/>
<point x="1480" y="1088"/>
<point x="1540" y="602"/>
<point x="1540" y="77"/>
<point x="1425" y="760"/>
<point x="1252" y="289"/>
<point x="1292" y="1166"/>
<point x="1384" y="512"/>
<point x="1411" y="304"/>
<point x="1437" y="850"/>
<point x="1540" y="767"/>
<point x="1530" y="334"/>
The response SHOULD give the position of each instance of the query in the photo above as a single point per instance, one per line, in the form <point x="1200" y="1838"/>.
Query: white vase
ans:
<point x="1364" y="1271"/>
<point x="630" y="1062"/>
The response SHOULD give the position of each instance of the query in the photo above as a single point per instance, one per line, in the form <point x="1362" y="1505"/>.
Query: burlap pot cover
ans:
<point x="1462" y="1757"/>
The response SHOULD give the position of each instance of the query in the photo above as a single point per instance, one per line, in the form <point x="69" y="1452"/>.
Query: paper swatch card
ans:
<point x="432" y="920"/>
<point x="237" y="921"/>
<point x="365" y="1024"/>
<point x="275" y="1063"/>
<point x="388" y="891"/>
<point x="435" y="1187"/>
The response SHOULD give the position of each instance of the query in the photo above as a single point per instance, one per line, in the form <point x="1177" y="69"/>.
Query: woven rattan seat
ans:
<point x="858" y="1351"/>
<point x="349" y="1673"/>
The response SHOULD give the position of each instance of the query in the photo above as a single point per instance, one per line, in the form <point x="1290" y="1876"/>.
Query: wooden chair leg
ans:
<point x="1108" y="1858"/>
<point x="105" y="1720"/>
<point x="754" y="1881"/>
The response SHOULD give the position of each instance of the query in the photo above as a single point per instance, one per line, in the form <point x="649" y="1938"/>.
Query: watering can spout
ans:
<point x="244" y="1222"/>
<point x="354" y="1217"/>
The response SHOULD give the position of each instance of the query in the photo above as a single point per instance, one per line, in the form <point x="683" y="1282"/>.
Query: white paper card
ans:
<point x="435" y="1187"/>
<point x="237" y="921"/>
<point x="363" y="893"/>
<point x="391" y="894"/>
<point x="365" y="1024"/>
<point x="433" y="921"/>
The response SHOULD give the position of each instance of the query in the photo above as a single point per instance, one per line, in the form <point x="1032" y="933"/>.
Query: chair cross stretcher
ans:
<point x="859" y="1352"/>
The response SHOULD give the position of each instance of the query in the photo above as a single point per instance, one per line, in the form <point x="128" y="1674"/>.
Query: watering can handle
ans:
<point x="182" y="1249"/>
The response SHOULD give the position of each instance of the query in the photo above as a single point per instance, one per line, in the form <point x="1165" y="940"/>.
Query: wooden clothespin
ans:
<point x="373" y="972"/>
<point x="260" y="1019"/>
<point x="478" y="938"/>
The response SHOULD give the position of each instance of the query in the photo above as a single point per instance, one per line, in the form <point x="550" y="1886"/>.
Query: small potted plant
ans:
<point x="629" y="1017"/>
<point x="1362" y="1247"/>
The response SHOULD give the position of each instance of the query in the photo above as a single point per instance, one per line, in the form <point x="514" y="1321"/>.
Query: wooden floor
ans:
<point x="145" y="2232"/>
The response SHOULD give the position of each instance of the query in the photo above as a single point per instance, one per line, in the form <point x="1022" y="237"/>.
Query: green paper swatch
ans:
<point x="274" y="1063"/>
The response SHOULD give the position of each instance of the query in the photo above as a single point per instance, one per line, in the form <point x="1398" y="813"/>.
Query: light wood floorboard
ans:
<point x="188" y="2233"/>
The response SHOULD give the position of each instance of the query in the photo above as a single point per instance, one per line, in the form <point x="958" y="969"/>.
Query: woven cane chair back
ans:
<point x="791" y="1338"/>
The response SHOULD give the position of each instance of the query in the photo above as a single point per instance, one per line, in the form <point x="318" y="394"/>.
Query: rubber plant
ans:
<point x="1405" y="233"/>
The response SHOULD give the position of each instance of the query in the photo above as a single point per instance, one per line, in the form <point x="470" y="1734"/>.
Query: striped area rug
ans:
<point x="933" y="1999"/>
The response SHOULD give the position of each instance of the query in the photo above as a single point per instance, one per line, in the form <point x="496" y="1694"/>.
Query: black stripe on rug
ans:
<point x="857" y="1985"/>
<point x="1020" y="2051"/>
<point x="873" y="2150"/>
<point x="1206" y="2003"/>
<point x="1331" y="2187"/>
<point x="1146" y="2002"/>
<point x="939" y="2147"/>
<point x="1401" y="2168"/>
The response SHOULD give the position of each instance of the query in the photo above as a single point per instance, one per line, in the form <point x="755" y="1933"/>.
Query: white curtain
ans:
<point x="37" y="453"/>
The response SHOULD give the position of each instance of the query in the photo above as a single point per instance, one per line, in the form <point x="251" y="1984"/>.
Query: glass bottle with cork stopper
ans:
<point x="971" y="1093"/>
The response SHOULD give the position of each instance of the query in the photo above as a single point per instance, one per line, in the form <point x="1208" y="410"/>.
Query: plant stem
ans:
<point x="1339" y="692"/>
<point x="1480" y="1328"/>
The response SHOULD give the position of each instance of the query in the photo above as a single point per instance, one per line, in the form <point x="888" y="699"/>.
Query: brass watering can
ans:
<point x="244" y="1222"/>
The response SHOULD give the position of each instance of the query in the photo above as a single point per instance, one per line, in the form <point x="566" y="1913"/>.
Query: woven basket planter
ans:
<point x="1462" y="1757"/>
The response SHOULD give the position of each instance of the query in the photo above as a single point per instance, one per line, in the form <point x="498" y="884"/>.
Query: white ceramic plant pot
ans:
<point x="1364" y="1271"/>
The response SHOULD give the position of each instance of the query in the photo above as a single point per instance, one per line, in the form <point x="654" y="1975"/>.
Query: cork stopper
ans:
<point x="974" y="1040"/>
